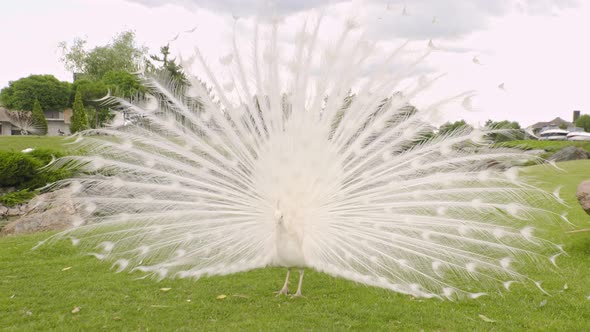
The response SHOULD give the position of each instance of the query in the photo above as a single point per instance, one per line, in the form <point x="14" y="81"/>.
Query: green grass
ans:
<point x="39" y="289"/>
<point x="549" y="146"/>
<point x="19" y="143"/>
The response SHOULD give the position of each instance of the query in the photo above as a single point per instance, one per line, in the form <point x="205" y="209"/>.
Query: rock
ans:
<point x="3" y="210"/>
<point x="569" y="153"/>
<point x="50" y="211"/>
<point x="13" y="211"/>
<point x="583" y="195"/>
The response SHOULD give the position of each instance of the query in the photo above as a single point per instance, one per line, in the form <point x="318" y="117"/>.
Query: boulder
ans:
<point x="583" y="195"/>
<point x="13" y="211"/>
<point x="49" y="211"/>
<point x="569" y="153"/>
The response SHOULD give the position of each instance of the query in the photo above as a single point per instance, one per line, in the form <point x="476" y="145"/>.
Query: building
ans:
<point x="576" y="115"/>
<point x="58" y="122"/>
<point x="5" y="124"/>
<point x="557" y="123"/>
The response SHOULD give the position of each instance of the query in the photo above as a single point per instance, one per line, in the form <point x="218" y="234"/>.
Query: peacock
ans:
<point x="306" y="156"/>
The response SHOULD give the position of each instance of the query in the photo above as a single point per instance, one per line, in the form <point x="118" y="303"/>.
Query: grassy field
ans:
<point x="549" y="146"/>
<point x="39" y="290"/>
<point x="19" y="143"/>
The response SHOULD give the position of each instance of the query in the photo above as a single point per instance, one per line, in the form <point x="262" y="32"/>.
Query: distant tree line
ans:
<point x="97" y="71"/>
<point x="109" y="68"/>
<point x="584" y="122"/>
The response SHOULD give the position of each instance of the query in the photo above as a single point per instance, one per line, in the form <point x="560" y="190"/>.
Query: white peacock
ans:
<point x="314" y="160"/>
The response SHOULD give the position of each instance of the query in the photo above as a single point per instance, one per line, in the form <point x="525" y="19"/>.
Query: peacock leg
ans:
<point x="298" y="294"/>
<point x="285" y="289"/>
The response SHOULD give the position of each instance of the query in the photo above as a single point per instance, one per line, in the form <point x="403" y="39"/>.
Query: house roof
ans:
<point x="4" y="116"/>
<point x="555" y="122"/>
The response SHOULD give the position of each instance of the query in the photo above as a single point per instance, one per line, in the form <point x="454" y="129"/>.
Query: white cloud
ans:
<point x="243" y="7"/>
<point x="452" y="18"/>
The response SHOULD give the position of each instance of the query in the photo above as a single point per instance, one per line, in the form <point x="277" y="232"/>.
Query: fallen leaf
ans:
<point x="28" y="313"/>
<point x="221" y="297"/>
<point x="116" y="318"/>
<point x="565" y="287"/>
<point x="66" y="268"/>
<point x="12" y="296"/>
<point x="165" y="289"/>
<point x="188" y="300"/>
<point x="543" y="303"/>
<point x="486" y="319"/>
<point x="76" y="310"/>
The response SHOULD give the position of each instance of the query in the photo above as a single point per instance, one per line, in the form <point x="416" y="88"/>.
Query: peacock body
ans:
<point x="280" y="164"/>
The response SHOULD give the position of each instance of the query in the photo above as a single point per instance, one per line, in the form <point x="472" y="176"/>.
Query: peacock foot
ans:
<point x="283" y="291"/>
<point x="296" y="295"/>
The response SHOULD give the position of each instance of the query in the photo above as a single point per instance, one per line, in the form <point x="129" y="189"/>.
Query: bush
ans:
<point x="17" y="197"/>
<point x="45" y="155"/>
<point x="23" y="170"/>
<point x="17" y="168"/>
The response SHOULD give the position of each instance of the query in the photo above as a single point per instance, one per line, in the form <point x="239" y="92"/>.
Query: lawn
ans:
<point x="549" y="146"/>
<point x="19" y="143"/>
<point x="40" y="289"/>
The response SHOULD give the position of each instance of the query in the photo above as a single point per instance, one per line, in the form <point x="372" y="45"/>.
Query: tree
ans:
<point x="103" y="69"/>
<point x="74" y="56"/>
<point x="39" y="121"/>
<point x="505" y="131"/>
<point x="123" y="84"/>
<point x="121" y="54"/>
<point x="449" y="127"/>
<point x="50" y="92"/>
<point x="584" y="122"/>
<point x="168" y="67"/>
<point x="79" y="120"/>
<point x="92" y="92"/>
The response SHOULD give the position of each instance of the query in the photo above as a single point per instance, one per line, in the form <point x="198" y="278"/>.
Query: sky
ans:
<point x="537" y="50"/>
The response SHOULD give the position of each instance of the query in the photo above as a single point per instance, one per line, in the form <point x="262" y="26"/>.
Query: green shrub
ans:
<point x="45" y="155"/>
<point x="16" y="168"/>
<point x="17" y="197"/>
<point x="22" y="170"/>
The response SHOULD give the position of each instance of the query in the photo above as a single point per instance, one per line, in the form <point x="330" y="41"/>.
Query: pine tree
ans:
<point x="79" y="119"/>
<point x="39" y="121"/>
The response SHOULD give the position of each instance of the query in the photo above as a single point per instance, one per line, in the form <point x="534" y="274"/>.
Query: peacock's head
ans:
<point x="278" y="216"/>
